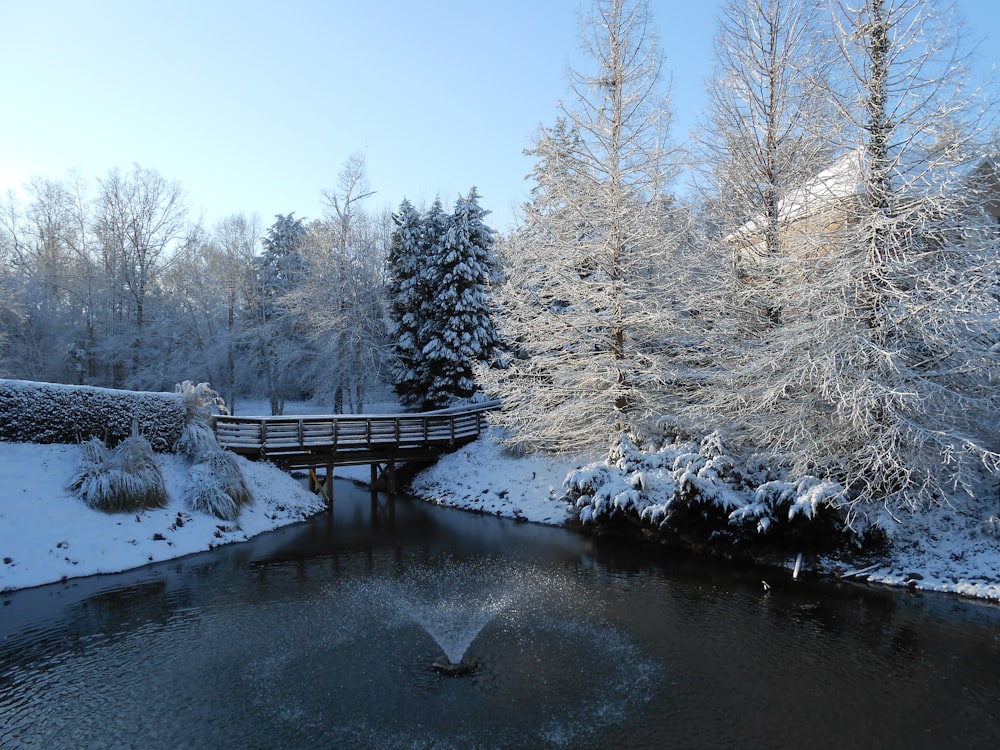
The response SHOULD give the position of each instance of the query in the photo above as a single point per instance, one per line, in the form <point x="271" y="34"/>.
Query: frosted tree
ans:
<point x="589" y="298"/>
<point x="770" y="118"/>
<point x="883" y="371"/>
<point x="235" y="239"/>
<point x="407" y="291"/>
<point x="458" y="329"/>
<point x="440" y="269"/>
<point x="340" y="304"/>
<point x="141" y="221"/>
<point x="279" y="270"/>
<point x="280" y="266"/>
<point x="40" y="273"/>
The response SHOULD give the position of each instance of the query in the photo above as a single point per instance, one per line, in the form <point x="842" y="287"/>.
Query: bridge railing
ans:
<point x="337" y="433"/>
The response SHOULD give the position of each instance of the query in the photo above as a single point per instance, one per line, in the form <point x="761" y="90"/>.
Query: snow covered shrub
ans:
<point x="51" y="413"/>
<point x="216" y="486"/>
<point x="788" y="505"/>
<point x="123" y="480"/>
<point x="664" y="430"/>
<point x="200" y="402"/>
<point x="701" y="493"/>
<point x="196" y="440"/>
<point x="92" y="456"/>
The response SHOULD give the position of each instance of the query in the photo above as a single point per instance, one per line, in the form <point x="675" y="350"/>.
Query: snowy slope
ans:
<point x="46" y="534"/>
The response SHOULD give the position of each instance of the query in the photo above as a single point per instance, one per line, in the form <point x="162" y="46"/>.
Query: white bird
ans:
<point x="767" y="586"/>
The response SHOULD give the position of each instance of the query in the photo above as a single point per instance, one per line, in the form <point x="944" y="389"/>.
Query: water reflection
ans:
<point x="297" y="639"/>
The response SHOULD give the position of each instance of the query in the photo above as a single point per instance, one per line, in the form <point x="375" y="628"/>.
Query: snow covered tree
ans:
<point x="141" y="221"/>
<point x="235" y="239"/>
<point x="281" y="266"/>
<point x="458" y="328"/>
<point x="41" y="275"/>
<point x="441" y="268"/>
<point x="341" y="303"/>
<point x="589" y="297"/>
<point x="883" y="372"/>
<point x="279" y="270"/>
<point x="768" y="103"/>
<point x="407" y="290"/>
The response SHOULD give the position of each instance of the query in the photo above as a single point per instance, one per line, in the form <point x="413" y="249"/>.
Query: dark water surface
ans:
<point x="320" y="636"/>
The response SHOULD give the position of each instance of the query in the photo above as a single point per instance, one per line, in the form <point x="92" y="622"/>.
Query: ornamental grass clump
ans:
<point x="216" y="486"/>
<point x="125" y="479"/>
<point x="197" y="438"/>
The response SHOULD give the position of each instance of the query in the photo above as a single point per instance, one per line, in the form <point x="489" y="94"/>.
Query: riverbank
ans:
<point x="48" y="535"/>
<point x="941" y="549"/>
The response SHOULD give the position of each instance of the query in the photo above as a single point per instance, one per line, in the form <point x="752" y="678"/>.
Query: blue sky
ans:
<point x="255" y="106"/>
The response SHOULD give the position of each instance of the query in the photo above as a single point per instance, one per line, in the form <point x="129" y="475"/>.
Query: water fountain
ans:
<point x="442" y="665"/>
<point x="536" y="661"/>
<point x="453" y="602"/>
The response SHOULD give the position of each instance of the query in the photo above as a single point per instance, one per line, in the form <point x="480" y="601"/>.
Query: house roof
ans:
<point x="844" y="179"/>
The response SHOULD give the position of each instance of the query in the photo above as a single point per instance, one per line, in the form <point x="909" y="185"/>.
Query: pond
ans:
<point x="327" y="633"/>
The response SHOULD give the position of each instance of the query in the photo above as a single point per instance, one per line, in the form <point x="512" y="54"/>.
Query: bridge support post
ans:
<point x="322" y="484"/>
<point x="384" y="476"/>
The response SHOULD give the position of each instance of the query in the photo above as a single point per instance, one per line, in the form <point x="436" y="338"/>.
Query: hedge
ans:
<point x="52" y="413"/>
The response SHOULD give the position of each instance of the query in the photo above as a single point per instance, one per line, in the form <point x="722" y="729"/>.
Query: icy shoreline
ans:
<point x="48" y="535"/>
<point x="939" y="550"/>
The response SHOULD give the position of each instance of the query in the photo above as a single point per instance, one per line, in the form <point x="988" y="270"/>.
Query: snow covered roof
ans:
<point x="844" y="180"/>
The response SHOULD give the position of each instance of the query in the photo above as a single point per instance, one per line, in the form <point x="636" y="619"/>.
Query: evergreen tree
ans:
<point x="280" y="266"/>
<point x="440" y="268"/>
<point x="279" y="270"/>
<point x="406" y="293"/>
<point x="460" y="330"/>
<point x="430" y="317"/>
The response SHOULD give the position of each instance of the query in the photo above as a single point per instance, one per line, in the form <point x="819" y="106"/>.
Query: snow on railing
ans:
<point x="351" y="432"/>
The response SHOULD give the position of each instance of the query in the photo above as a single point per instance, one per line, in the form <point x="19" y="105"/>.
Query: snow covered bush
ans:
<point x="200" y="402"/>
<point x="196" y="440"/>
<point x="695" y="490"/>
<point x="216" y="486"/>
<point x="124" y="479"/>
<point x="50" y="413"/>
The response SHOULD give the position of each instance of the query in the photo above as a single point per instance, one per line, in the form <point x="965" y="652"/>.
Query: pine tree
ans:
<point x="280" y="266"/>
<point x="440" y="267"/>
<point x="406" y="290"/>
<point x="460" y="330"/>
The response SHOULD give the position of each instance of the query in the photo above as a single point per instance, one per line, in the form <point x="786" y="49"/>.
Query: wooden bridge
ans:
<point x="323" y="441"/>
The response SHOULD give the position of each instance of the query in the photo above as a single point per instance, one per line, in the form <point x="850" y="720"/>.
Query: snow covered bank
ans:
<point x="48" y="534"/>
<point x="483" y="477"/>
<point x="938" y="550"/>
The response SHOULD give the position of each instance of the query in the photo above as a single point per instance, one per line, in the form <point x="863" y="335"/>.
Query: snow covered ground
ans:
<point x="47" y="534"/>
